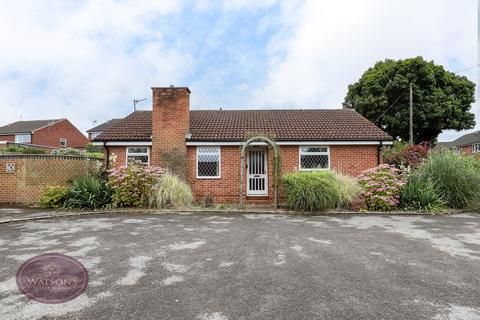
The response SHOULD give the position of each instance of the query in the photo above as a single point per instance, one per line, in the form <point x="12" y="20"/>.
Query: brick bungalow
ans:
<point x="49" y="133"/>
<point x="205" y="145"/>
<point x="468" y="144"/>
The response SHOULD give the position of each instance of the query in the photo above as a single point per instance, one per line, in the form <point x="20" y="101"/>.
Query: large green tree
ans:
<point x="441" y="99"/>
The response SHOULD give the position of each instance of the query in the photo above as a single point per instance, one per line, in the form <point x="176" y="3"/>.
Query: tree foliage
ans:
<point x="442" y="100"/>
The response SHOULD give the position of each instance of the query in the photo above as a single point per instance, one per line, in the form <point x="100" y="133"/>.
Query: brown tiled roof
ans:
<point x="236" y="125"/>
<point x="137" y="126"/>
<point x="26" y="126"/>
<point x="103" y="126"/>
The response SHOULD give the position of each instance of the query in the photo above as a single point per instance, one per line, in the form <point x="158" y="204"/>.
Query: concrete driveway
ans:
<point x="254" y="266"/>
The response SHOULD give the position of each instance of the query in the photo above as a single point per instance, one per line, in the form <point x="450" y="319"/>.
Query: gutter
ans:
<point x="379" y="149"/>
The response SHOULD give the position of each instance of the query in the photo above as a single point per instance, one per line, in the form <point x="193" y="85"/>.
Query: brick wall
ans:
<point x="349" y="160"/>
<point x="8" y="138"/>
<point x="50" y="135"/>
<point x="170" y="124"/>
<point x="120" y="152"/>
<point x="34" y="172"/>
<point x="467" y="150"/>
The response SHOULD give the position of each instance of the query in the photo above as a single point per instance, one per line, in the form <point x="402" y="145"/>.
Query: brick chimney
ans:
<point x="170" y="125"/>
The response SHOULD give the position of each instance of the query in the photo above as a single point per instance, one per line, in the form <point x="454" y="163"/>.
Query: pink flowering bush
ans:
<point x="382" y="186"/>
<point x="132" y="184"/>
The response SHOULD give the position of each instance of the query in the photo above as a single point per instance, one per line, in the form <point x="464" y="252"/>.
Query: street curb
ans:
<point x="66" y="214"/>
<point x="46" y="217"/>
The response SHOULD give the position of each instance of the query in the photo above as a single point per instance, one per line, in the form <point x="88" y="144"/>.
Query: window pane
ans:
<point x="314" y="161"/>
<point x="313" y="149"/>
<point x="141" y="159"/>
<point x="208" y="150"/>
<point x="208" y="165"/>
<point x="22" y="138"/>
<point x="137" y="150"/>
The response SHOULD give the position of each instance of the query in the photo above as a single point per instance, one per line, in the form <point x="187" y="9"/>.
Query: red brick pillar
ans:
<point x="170" y="125"/>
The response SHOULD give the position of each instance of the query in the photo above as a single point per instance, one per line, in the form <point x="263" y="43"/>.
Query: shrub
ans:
<point x="405" y="155"/>
<point x="348" y="189"/>
<point x="68" y="152"/>
<point x="96" y="155"/>
<point x="472" y="161"/>
<point x="420" y="194"/>
<point x="54" y="197"/>
<point x="132" y="184"/>
<point x="89" y="192"/>
<point x="208" y="201"/>
<point x="90" y="148"/>
<point x="22" y="150"/>
<point x="381" y="187"/>
<point x="170" y="192"/>
<point x="456" y="178"/>
<point x="311" y="190"/>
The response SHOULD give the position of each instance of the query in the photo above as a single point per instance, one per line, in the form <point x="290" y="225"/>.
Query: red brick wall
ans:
<point x="349" y="160"/>
<point x="8" y="138"/>
<point x="120" y="152"/>
<point x="467" y="150"/>
<point x="34" y="172"/>
<point x="50" y="135"/>
<point x="352" y="160"/>
<point x="170" y="124"/>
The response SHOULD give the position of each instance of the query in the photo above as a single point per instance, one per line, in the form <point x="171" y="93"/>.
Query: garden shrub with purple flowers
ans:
<point x="382" y="186"/>
<point x="132" y="184"/>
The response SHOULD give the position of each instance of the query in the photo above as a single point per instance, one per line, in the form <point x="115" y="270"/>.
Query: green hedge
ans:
<point x="311" y="190"/>
<point x="456" y="178"/>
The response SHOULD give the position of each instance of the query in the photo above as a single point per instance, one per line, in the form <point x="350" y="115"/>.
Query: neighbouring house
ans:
<point x="467" y="144"/>
<point x="95" y="131"/>
<point x="51" y="134"/>
<point x="205" y="146"/>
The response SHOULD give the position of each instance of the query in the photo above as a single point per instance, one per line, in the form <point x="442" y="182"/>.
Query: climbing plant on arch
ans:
<point x="277" y="163"/>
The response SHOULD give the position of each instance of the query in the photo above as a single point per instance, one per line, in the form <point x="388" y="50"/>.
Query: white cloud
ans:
<point x="83" y="60"/>
<point x="86" y="60"/>
<point x="333" y="42"/>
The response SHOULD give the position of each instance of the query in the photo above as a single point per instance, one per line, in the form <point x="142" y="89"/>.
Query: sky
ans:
<point x="87" y="60"/>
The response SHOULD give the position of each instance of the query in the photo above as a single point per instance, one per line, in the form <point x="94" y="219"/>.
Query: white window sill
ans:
<point x="209" y="178"/>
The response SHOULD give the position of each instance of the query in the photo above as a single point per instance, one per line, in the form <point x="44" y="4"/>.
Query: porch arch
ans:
<point x="276" y="165"/>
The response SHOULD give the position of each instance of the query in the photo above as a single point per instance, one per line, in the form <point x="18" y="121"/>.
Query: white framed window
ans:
<point x="475" y="147"/>
<point x="23" y="138"/>
<point x="63" y="142"/>
<point x="457" y="150"/>
<point x="141" y="154"/>
<point x="208" y="162"/>
<point x="314" y="158"/>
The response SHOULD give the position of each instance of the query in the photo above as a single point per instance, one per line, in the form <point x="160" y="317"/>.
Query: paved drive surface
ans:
<point x="254" y="266"/>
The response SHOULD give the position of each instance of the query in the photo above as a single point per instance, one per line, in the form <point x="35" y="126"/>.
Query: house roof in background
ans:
<point x="137" y="126"/>
<point x="103" y="126"/>
<point x="445" y="144"/>
<point x="465" y="140"/>
<point x="235" y="125"/>
<point x="27" y="126"/>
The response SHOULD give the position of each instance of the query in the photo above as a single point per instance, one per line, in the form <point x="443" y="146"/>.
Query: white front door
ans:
<point x="257" y="175"/>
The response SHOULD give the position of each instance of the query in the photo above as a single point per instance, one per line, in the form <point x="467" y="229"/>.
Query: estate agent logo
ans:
<point x="52" y="278"/>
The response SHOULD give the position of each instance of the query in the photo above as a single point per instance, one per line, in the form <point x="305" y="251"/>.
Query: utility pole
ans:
<point x="411" y="114"/>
